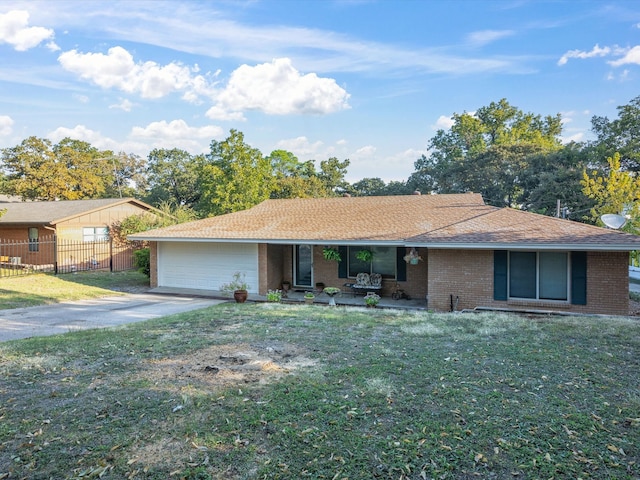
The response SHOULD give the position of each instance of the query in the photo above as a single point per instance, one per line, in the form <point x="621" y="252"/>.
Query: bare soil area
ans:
<point x="228" y="365"/>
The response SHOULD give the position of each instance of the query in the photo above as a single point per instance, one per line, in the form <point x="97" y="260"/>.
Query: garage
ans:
<point x="206" y="265"/>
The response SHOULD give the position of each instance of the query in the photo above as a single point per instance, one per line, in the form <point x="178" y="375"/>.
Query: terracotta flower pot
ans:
<point x="240" y="296"/>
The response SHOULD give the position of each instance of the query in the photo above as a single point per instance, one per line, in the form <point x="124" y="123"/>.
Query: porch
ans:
<point x="345" y="298"/>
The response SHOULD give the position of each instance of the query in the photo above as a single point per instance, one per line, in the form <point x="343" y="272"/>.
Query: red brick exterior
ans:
<point x="446" y="276"/>
<point x="468" y="276"/>
<point x="153" y="258"/>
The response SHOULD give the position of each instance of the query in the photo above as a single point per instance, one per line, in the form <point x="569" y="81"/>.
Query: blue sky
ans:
<point x="367" y="80"/>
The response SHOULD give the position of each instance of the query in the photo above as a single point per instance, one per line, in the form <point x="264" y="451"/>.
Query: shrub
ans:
<point x="142" y="261"/>
<point x="274" y="296"/>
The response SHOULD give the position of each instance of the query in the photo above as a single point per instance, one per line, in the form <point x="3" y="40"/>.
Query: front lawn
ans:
<point x="271" y="391"/>
<point x="43" y="288"/>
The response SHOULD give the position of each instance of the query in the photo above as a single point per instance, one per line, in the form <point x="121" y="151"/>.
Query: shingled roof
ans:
<point x="442" y="221"/>
<point x="55" y="212"/>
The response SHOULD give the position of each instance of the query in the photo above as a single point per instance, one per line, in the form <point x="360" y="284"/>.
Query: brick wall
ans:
<point x="465" y="274"/>
<point x="270" y="265"/>
<point x="468" y="275"/>
<point x="153" y="258"/>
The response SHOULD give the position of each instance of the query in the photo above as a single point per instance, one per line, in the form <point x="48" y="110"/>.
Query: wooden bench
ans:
<point x="366" y="283"/>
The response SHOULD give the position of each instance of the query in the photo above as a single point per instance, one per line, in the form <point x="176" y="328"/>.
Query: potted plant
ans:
<point x="274" y="296"/>
<point x="412" y="257"/>
<point x="332" y="292"/>
<point x="364" y="255"/>
<point x="238" y="286"/>
<point x="286" y="286"/>
<point x="309" y="297"/>
<point x="331" y="254"/>
<point x="371" y="299"/>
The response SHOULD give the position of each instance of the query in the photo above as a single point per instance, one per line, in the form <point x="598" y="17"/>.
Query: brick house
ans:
<point x="471" y="253"/>
<point x="74" y="220"/>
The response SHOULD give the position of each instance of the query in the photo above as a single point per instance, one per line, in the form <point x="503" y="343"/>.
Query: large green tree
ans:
<point x="36" y="169"/>
<point x="617" y="191"/>
<point x="556" y="177"/>
<point x="70" y="170"/>
<point x="332" y="173"/>
<point x="172" y="177"/>
<point x="621" y="135"/>
<point x="294" y="179"/>
<point x="234" y="176"/>
<point x="486" y="152"/>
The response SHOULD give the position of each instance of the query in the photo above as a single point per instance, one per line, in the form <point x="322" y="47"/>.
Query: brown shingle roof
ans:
<point x="443" y="221"/>
<point x="342" y="219"/>
<point x="517" y="229"/>
<point x="55" y="212"/>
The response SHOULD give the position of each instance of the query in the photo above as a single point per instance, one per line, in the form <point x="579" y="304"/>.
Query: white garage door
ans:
<point x="206" y="266"/>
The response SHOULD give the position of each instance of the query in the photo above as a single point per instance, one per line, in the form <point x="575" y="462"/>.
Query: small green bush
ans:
<point x="274" y="296"/>
<point x="142" y="261"/>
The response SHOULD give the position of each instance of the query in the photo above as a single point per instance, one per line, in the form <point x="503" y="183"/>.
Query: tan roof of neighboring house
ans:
<point x="444" y="221"/>
<point x="55" y="212"/>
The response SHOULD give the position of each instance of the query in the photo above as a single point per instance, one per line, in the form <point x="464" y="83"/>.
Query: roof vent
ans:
<point x="417" y="192"/>
<point x="345" y="194"/>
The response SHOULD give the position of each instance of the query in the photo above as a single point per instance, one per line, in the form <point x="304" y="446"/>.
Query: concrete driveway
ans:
<point x="95" y="313"/>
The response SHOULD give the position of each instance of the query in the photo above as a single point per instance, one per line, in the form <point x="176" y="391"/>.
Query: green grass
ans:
<point x="39" y="289"/>
<point x="272" y="391"/>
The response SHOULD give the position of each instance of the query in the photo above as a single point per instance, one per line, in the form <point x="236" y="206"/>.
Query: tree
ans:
<point x="621" y="135"/>
<point x="332" y="173"/>
<point x="234" y="176"/>
<point x="38" y="170"/>
<point x="70" y="170"/>
<point x="294" y="179"/>
<point x="170" y="214"/>
<point x="486" y="152"/>
<point x="172" y="177"/>
<point x="85" y="170"/>
<point x="618" y="192"/>
<point x="554" y="177"/>
<point x="126" y="175"/>
<point x="368" y="187"/>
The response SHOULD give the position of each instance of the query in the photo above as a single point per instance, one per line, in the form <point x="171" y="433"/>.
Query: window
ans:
<point x="539" y="275"/>
<point x="383" y="261"/>
<point x="95" y="234"/>
<point x="33" y="239"/>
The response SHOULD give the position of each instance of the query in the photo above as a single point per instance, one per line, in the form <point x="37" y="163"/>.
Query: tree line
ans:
<point x="513" y="158"/>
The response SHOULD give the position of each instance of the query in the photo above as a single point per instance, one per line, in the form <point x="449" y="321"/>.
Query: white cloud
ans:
<point x="15" y="31"/>
<point x="117" y="69"/>
<point x="483" y="37"/>
<point x="175" y="129"/>
<point x="125" y="105"/>
<point x="6" y="125"/>
<point x="342" y="141"/>
<point x="576" y="137"/>
<point x="79" y="132"/>
<point x="277" y="88"/>
<point x="219" y="113"/>
<point x="301" y="147"/>
<point x="596" y="51"/>
<point x="364" y="152"/>
<point x="81" y="98"/>
<point x="631" y="56"/>
<point x="174" y="134"/>
<point x="443" y="123"/>
<point x="178" y="134"/>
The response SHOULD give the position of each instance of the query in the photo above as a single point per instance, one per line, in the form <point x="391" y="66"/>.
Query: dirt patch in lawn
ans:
<point x="228" y="365"/>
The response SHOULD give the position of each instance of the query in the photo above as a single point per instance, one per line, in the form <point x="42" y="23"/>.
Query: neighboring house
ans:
<point x="473" y="255"/>
<point x="82" y="221"/>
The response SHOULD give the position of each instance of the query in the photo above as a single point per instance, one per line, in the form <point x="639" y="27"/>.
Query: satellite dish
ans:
<point x="613" y="220"/>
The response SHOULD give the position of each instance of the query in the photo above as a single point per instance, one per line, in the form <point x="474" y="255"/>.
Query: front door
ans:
<point x="303" y="266"/>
